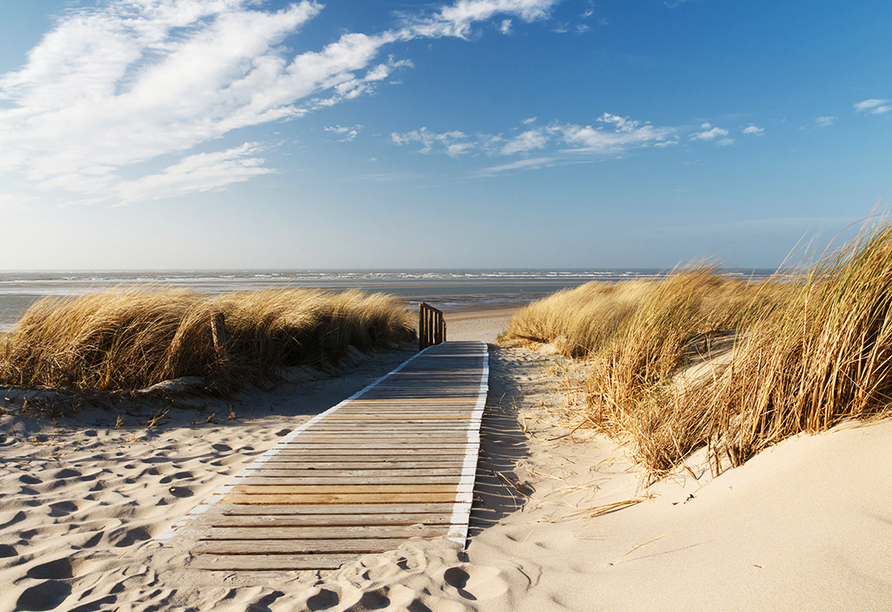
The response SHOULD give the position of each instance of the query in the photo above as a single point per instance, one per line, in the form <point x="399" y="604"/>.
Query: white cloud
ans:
<point x="201" y="172"/>
<point x="505" y="28"/>
<point x="825" y="121"/>
<point x="523" y="164"/>
<point x="710" y="133"/>
<point x="129" y="81"/>
<point x="527" y="141"/>
<point x="529" y="120"/>
<point x="617" y="135"/>
<point x="875" y="107"/>
<point x="454" y="143"/>
<point x="347" y="133"/>
<point x="456" y="19"/>
<point x="752" y="129"/>
<point x="626" y="134"/>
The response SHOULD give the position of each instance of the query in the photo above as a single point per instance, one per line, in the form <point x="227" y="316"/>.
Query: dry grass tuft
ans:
<point x="134" y="338"/>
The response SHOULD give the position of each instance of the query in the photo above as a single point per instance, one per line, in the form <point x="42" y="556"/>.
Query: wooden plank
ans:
<point x="322" y="463"/>
<point x="327" y="532"/>
<point x="329" y="520"/>
<point x="338" y="442"/>
<point x="419" y="419"/>
<point x="340" y="498"/>
<point x="370" y="453"/>
<point x="380" y="509"/>
<point x="337" y="473"/>
<point x="269" y="563"/>
<point x="276" y="547"/>
<point x="428" y="400"/>
<point x="298" y="489"/>
<point x="342" y="479"/>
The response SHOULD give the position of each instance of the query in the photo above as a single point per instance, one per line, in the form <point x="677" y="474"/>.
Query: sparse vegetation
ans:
<point x="134" y="338"/>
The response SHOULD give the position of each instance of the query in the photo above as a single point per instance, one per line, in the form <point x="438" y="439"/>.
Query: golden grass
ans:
<point x="133" y="338"/>
<point x="824" y="359"/>
<point x="631" y="395"/>
<point x="807" y="355"/>
<point x="637" y="334"/>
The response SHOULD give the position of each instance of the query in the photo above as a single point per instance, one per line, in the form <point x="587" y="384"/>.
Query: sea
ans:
<point x="447" y="290"/>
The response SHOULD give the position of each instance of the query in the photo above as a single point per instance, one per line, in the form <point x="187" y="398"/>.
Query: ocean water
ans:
<point x="448" y="290"/>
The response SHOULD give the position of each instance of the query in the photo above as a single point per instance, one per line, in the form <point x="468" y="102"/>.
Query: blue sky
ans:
<point x="150" y="134"/>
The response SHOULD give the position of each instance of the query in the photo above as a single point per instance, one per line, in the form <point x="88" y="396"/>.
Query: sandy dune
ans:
<point x="806" y="525"/>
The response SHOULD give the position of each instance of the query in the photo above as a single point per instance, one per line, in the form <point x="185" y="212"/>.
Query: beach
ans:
<point x="562" y="519"/>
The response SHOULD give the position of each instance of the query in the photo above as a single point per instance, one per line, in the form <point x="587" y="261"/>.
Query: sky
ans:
<point x="219" y="134"/>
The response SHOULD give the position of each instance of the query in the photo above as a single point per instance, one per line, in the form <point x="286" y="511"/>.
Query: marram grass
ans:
<point x="133" y="338"/>
<point x="808" y="353"/>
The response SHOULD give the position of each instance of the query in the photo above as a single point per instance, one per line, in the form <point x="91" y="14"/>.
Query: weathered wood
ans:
<point x="394" y="463"/>
<point x="431" y="326"/>
<point x="326" y="532"/>
<point x="381" y="509"/>
<point x="366" y="453"/>
<point x="334" y="521"/>
<point x="276" y="547"/>
<point x="269" y="563"/>
<point x="294" y="489"/>
<point x="385" y="479"/>
<point x="218" y="335"/>
<point x="340" y="498"/>
<point x="323" y="463"/>
<point x="334" y="475"/>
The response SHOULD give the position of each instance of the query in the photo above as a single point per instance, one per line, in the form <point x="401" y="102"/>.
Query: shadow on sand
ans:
<point x="497" y="491"/>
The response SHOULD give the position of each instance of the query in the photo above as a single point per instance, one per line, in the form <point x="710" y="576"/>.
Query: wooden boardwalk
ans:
<point x="397" y="460"/>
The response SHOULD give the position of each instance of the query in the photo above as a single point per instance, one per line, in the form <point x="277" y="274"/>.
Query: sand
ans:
<point x="806" y="525"/>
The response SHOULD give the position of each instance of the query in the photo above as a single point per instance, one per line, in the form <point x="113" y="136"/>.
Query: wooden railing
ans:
<point x="431" y="326"/>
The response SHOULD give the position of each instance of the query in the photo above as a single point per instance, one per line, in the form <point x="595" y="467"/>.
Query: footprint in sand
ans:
<point x="374" y="600"/>
<point x="476" y="583"/>
<point x="66" y="473"/>
<point x="128" y="537"/>
<point x="323" y="600"/>
<point x="177" y="476"/>
<point x="7" y="550"/>
<point x="181" y="491"/>
<point x="60" y="568"/>
<point x="62" y="508"/>
<point x="221" y="448"/>
<point x="29" y="480"/>
<point x="226" y="460"/>
<point x="44" y="596"/>
<point x="8" y="519"/>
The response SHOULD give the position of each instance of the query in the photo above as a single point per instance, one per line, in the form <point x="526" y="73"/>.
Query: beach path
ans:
<point x="395" y="461"/>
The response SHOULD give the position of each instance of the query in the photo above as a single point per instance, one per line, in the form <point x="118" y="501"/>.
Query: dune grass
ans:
<point x="824" y="359"/>
<point x="657" y="317"/>
<point x="808" y="353"/>
<point x="133" y="338"/>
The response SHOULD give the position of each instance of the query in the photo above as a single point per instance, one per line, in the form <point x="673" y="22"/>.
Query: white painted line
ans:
<point x="461" y="510"/>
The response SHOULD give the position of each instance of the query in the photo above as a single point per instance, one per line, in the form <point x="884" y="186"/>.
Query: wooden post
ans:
<point x="422" y="326"/>
<point x="218" y="335"/>
<point x="431" y="326"/>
